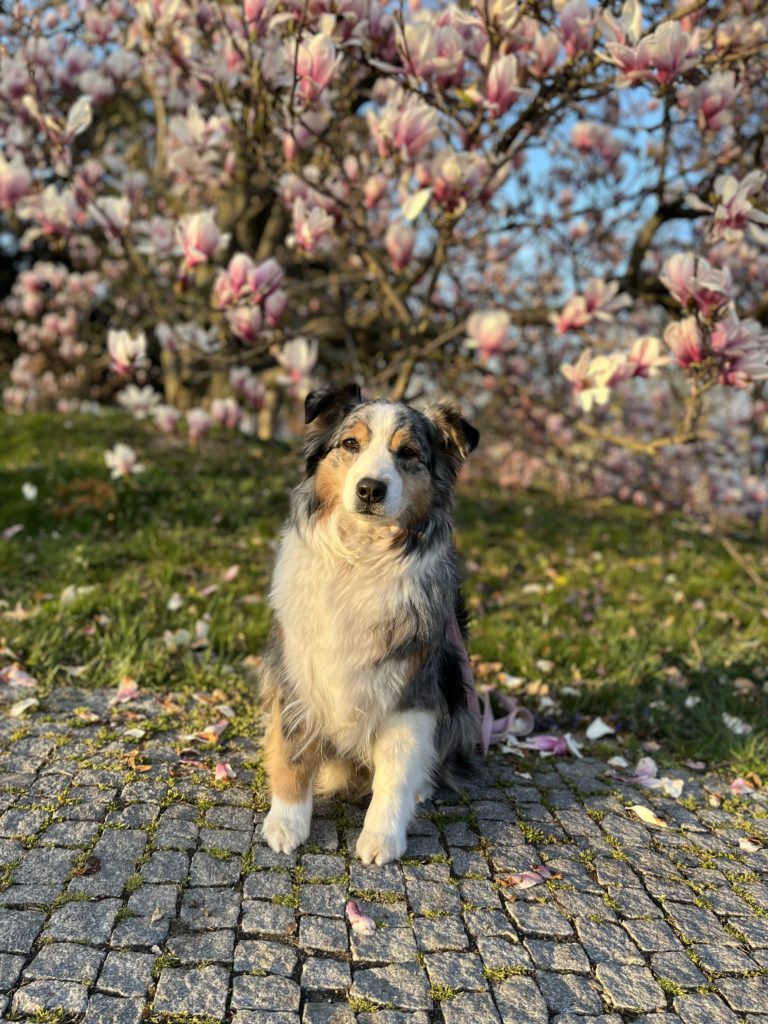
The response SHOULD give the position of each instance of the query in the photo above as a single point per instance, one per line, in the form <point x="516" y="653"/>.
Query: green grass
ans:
<point x="610" y="595"/>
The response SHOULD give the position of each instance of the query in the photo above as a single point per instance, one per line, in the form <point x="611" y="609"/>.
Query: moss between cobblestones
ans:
<point x="166" y="959"/>
<point x="442" y="993"/>
<point x="376" y="896"/>
<point x="181" y="1018"/>
<point x="498" y="974"/>
<point x="669" y="986"/>
<point x="358" y="1004"/>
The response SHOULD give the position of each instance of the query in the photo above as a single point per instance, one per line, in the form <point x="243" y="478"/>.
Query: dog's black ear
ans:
<point x="323" y="412"/>
<point x="320" y="402"/>
<point x="455" y="436"/>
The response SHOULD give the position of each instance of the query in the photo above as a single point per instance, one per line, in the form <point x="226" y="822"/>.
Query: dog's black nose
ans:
<point x="371" y="491"/>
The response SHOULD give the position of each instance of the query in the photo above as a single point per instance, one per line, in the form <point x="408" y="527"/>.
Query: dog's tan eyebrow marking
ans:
<point x="358" y="429"/>
<point x="402" y="437"/>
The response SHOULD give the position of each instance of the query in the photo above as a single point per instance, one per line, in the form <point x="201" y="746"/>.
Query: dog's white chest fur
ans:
<point x="333" y="606"/>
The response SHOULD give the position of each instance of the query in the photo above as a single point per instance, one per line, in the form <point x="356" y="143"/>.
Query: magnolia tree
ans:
<point x="554" y="210"/>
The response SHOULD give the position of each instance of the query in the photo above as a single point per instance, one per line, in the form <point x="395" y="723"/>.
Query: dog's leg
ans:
<point x="403" y="759"/>
<point x="290" y="780"/>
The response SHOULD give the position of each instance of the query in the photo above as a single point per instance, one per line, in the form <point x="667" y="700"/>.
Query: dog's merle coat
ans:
<point x="360" y="672"/>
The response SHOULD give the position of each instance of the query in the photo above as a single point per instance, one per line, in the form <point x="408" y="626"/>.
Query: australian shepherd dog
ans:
<point x="362" y="677"/>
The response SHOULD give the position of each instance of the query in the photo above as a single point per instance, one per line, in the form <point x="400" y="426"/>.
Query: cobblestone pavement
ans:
<point x="135" y="887"/>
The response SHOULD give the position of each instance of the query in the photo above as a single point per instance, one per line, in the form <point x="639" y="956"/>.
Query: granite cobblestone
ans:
<point x="134" y="894"/>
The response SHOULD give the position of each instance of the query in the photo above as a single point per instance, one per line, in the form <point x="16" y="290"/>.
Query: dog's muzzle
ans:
<point x="370" y="493"/>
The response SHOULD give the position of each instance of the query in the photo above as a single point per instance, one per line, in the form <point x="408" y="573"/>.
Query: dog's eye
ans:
<point x="408" y="453"/>
<point x="350" y="444"/>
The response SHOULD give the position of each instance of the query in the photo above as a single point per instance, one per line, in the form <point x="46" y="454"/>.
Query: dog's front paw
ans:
<point x="287" y="826"/>
<point x="380" y="848"/>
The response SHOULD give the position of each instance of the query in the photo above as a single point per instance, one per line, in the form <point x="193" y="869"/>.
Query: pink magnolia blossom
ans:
<point x="741" y="347"/>
<point x="15" y="181"/>
<point x="311" y="225"/>
<point x="244" y="280"/>
<point x="122" y="461"/>
<point x="126" y="349"/>
<point x="138" y="401"/>
<point x="316" y="64"/>
<point x="645" y="357"/>
<point x="413" y="130"/>
<point x="112" y="214"/>
<point x="503" y="88"/>
<point x="600" y="301"/>
<point x="373" y="189"/>
<point x="697" y="282"/>
<point x="166" y="418"/>
<point x="245" y="322"/>
<point x="634" y="62"/>
<point x="684" y="338"/>
<point x="573" y="316"/>
<point x="671" y="51"/>
<point x="247" y="386"/>
<point x="97" y="86"/>
<point x="733" y="212"/>
<point x="226" y="412"/>
<point x="265" y="278"/>
<point x="198" y="237"/>
<point x="713" y="101"/>
<point x="417" y="47"/>
<point x="628" y="27"/>
<point x="447" y="64"/>
<point x="52" y="213"/>
<point x="456" y="177"/>
<point x="275" y="306"/>
<point x="544" y="53"/>
<point x="593" y="377"/>
<point x="399" y="242"/>
<point x="577" y="26"/>
<point x="604" y="299"/>
<point x="488" y="331"/>
<point x="299" y="358"/>
<point x="199" y="422"/>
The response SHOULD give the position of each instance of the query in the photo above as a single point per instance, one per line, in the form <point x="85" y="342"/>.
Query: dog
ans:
<point x="362" y="676"/>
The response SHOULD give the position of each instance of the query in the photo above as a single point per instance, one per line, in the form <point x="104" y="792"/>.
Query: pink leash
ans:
<point x="517" y="722"/>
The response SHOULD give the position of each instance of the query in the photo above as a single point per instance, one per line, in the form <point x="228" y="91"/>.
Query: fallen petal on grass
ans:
<point x="597" y="729"/>
<point x="737" y="725"/>
<point x="15" y="675"/>
<point x="223" y="772"/>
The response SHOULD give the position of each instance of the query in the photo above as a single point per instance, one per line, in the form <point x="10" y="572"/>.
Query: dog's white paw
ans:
<point x="380" y="848"/>
<point x="287" y="825"/>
